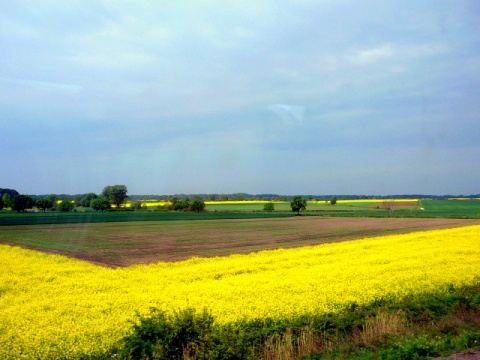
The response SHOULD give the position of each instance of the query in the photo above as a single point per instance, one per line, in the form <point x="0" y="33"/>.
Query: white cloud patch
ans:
<point x="399" y="52"/>
<point x="289" y="114"/>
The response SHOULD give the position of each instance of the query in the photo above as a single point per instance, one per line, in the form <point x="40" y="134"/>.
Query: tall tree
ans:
<point x="87" y="199"/>
<point x="21" y="202"/>
<point x="115" y="193"/>
<point x="7" y="200"/>
<point x="298" y="203"/>
<point x="43" y="204"/>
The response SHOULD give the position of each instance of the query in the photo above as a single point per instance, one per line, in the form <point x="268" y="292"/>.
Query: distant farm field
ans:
<point x="126" y="243"/>
<point x="218" y="210"/>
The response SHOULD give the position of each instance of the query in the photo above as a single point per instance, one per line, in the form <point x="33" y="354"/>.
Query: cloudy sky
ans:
<point x="286" y="97"/>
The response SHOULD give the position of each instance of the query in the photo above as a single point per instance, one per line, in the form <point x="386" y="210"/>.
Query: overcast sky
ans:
<point x="286" y="97"/>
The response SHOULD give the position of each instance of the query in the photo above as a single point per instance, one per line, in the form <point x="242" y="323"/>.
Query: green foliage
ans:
<point x="20" y="203"/>
<point x="7" y="200"/>
<point x="101" y="203"/>
<point x="197" y="205"/>
<point x="115" y="193"/>
<point x="269" y="206"/>
<point x="333" y="200"/>
<point x="411" y="347"/>
<point x="86" y="201"/>
<point x="78" y="200"/>
<point x="65" y="206"/>
<point x="180" y="205"/>
<point x="298" y="203"/>
<point x="43" y="204"/>
<point x="170" y="336"/>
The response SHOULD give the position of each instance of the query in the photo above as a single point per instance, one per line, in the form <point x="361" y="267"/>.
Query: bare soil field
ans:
<point x="124" y="244"/>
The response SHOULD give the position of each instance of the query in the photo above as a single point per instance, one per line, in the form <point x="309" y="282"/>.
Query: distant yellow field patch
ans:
<point x="375" y="200"/>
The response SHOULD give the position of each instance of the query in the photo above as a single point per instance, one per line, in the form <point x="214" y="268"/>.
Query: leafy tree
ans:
<point x="53" y="198"/>
<point x="197" y="205"/>
<point x="78" y="200"/>
<point x="333" y="200"/>
<point x="66" y="205"/>
<point x="21" y="202"/>
<point x="182" y="205"/>
<point x="87" y="199"/>
<point x="1" y="203"/>
<point x="101" y="203"/>
<point x="297" y="204"/>
<point x="116" y="193"/>
<point x="7" y="200"/>
<point x="43" y="204"/>
<point x="269" y="206"/>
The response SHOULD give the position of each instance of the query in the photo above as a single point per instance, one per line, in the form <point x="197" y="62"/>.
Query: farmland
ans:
<point x="53" y="306"/>
<point x="127" y="243"/>
<point x="69" y="288"/>
<point x="254" y="210"/>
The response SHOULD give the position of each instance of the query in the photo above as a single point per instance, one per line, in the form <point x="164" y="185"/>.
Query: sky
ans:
<point x="279" y="97"/>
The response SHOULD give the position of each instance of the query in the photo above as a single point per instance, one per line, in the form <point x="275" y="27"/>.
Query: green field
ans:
<point x="468" y="209"/>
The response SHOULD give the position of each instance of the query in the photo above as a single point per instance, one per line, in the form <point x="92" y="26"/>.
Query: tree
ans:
<point x="7" y="200"/>
<point x="87" y="199"/>
<point x="43" y="204"/>
<point x="297" y="204"/>
<point x="182" y="205"/>
<point x="197" y="205"/>
<point x="269" y="206"/>
<point x="333" y="200"/>
<point x="53" y="198"/>
<point x="21" y="202"/>
<point x="101" y="203"/>
<point x="66" y="205"/>
<point x="1" y="203"/>
<point x="78" y="200"/>
<point x="116" y="193"/>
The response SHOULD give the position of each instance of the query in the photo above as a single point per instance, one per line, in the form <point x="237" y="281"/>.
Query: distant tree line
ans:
<point x="115" y="195"/>
<point x="277" y="197"/>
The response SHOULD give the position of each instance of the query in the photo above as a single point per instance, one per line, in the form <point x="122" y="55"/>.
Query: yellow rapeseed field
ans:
<point x="55" y="307"/>
<point x="375" y="200"/>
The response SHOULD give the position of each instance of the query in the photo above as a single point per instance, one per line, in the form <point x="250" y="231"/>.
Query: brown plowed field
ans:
<point x="124" y="244"/>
